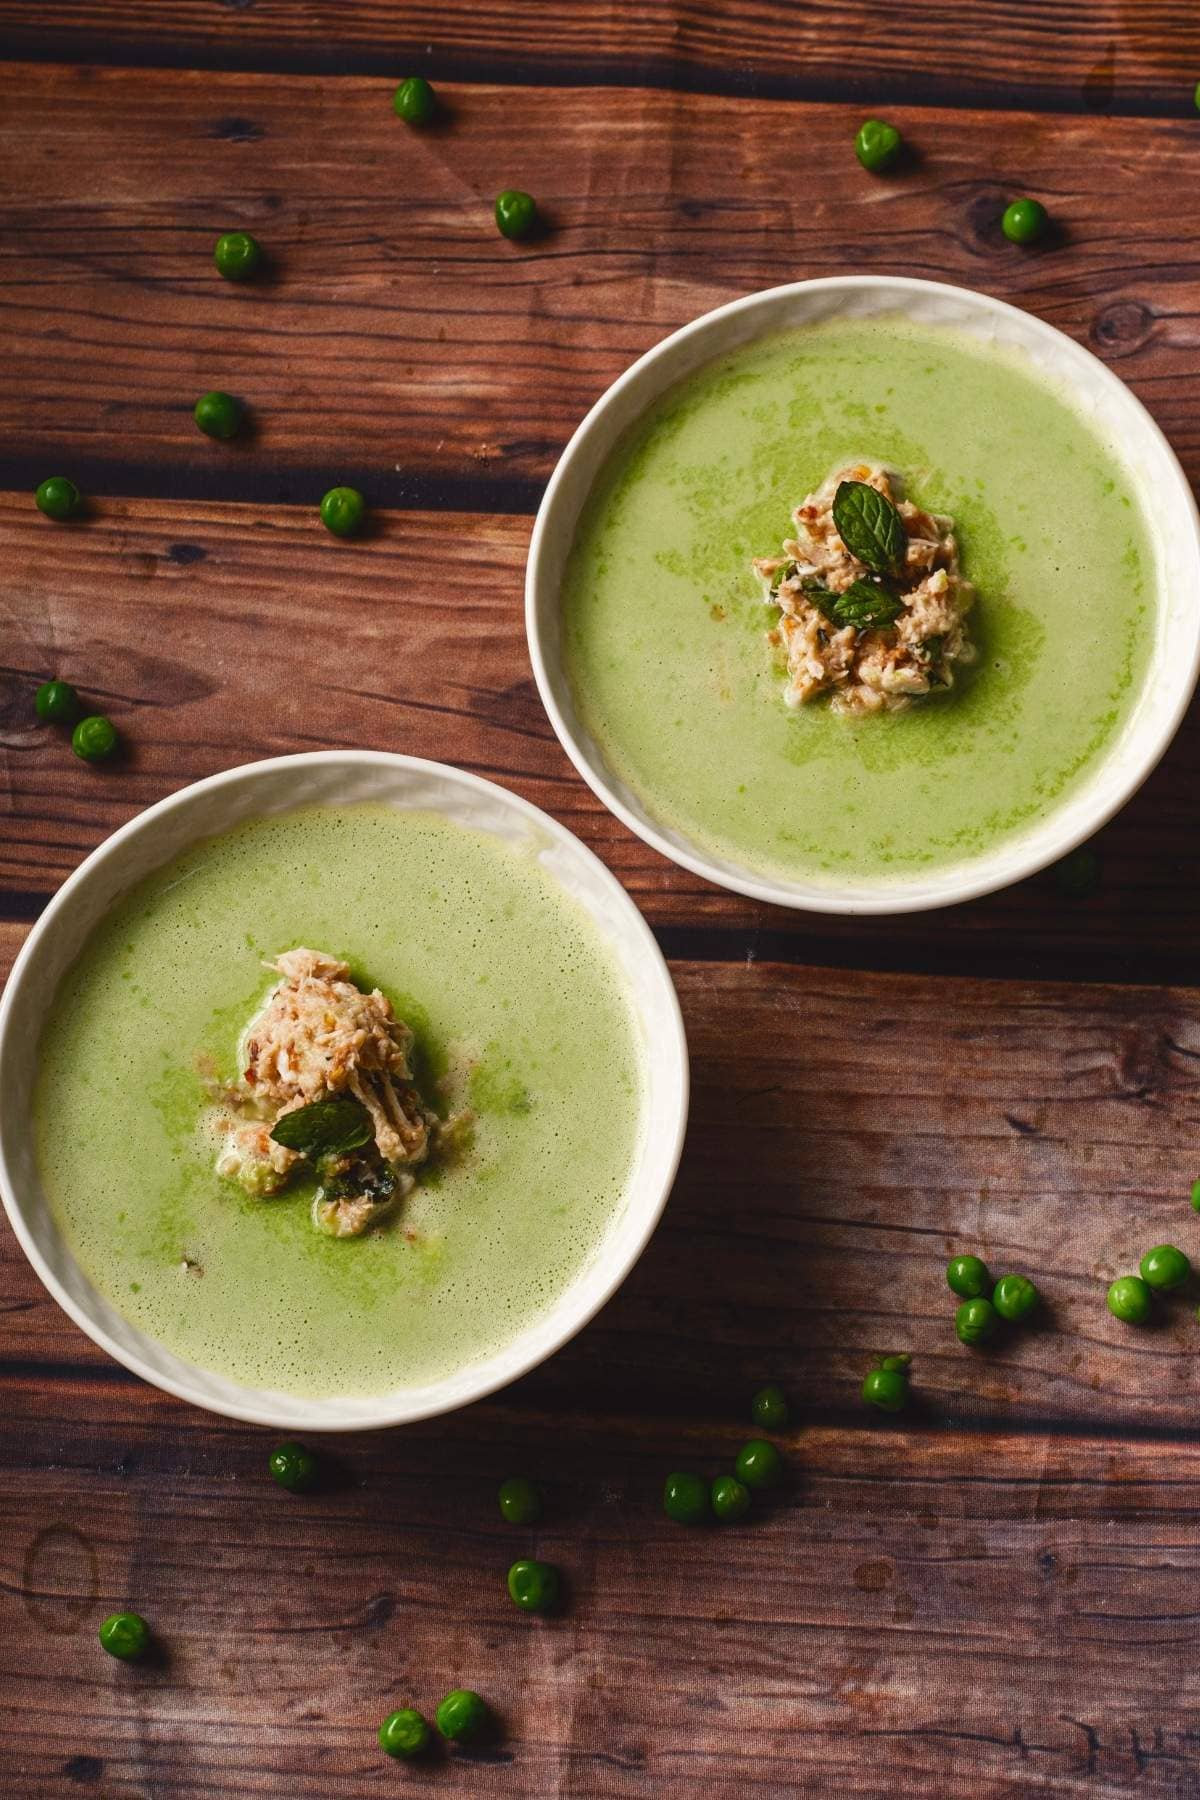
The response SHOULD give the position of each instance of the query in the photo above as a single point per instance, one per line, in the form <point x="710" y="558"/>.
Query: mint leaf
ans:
<point x="823" y="598"/>
<point x="866" y="605"/>
<point x="870" y="527"/>
<point x="324" y="1128"/>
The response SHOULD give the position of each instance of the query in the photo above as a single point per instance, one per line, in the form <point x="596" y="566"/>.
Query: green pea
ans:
<point x="218" y="415"/>
<point x="462" y="1715"/>
<point x="887" y="1389"/>
<point x="877" y="145"/>
<point x="57" y="497"/>
<point x="975" y="1321"/>
<point x="901" y="1361"/>
<point x="759" y="1464"/>
<point x="967" y="1277"/>
<point x="686" y="1498"/>
<point x="294" y="1468"/>
<point x="125" y="1635"/>
<point x="769" y="1408"/>
<point x="343" y="510"/>
<point x="404" y="1734"/>
<point x="414" y="101"/>
<point x="534" y="1586"/>
<point x="1129" y="1299"/>
<point x="520" y="1502"/>
<point x="516" y="213"/>
<point x="237" y="255"/>
<point x="730" y="1498"/>
<point x="57" y="703"/>
<point x="94" y="739"/>
<point x="1024" y="221"/>
<point x="1014" y="1297"/>
<point x="1078" y="876"/>
<point x="1164" y="1267"/>
<point x="1196" y="1196"/>
<point x="1196" y="96"/>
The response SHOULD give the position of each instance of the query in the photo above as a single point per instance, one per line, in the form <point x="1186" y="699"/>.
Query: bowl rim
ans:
<point x="384" y="1417"/>
<point x="958" y="882"/>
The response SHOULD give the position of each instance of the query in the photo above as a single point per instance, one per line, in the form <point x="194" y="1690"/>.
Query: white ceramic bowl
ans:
<point x="256" y="790"/>
<point x="1095" y="391"/>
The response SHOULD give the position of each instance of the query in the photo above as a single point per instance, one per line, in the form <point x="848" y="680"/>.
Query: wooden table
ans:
<point x="995" y="1594"/>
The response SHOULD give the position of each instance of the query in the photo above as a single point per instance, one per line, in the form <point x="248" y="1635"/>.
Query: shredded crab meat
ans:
<point x="876" y="669"/>
<point x="318" y="1036"/>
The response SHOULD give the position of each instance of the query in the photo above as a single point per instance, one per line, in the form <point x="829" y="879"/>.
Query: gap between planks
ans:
<point x="917" y="92"/>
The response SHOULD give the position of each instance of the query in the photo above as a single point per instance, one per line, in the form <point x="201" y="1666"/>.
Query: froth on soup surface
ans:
<point x="519" y="1011"/>
<point x="665" y="627"/>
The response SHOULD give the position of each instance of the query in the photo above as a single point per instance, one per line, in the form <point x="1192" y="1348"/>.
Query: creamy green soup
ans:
<point x="520" y="1014"/>
<point x="665" y="626"/>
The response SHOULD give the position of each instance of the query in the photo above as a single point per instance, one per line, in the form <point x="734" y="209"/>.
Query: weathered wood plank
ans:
<point x="403" y="342"/>
<point x="218" y="634"/>
<point x="1108" y="56"/>
<point x="849" y="1133"/>
<point x="967" y="1616"/>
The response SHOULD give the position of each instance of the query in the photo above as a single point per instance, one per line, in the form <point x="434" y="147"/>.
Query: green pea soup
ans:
<point x="521" y="1015"/>
<point x="665" y="629"/>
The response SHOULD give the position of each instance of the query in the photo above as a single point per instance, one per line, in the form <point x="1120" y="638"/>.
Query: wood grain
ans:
<point x="974" y="1617"/>
<point x="849" y="1133"/>
<point x="1115" y="55"/>
<point x="403" y="344"/>
<point x="990" y="1598"/>
<point x="214" y="634"/>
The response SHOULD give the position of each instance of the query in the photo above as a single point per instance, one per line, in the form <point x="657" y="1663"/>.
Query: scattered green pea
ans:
<point x="403" y="1734"/>
<point x="218" y="415"/>
<point x="414" y="101"/>
<point x="516" y="213"/>
<point x="237" y="255"/>
<point x="461" y="1716"/>
<point x="759" y="1464"/>
<point x="975" y="1321"/>
<point x="125" y="1635"/>
<point x="967" y="1277"/>
<point x="1129" y="1299"/>
<point x="1164" y="1267"/>
<point x="57" y="703"/>
<point x="343" y="510"/>
<point x="877" y="145"/>
<point x="57" y="497"/>
<point x="686" y="1498"/>
<point x="1078" y="876"/>
<point x="730" y="1498"/>
<point x="520" y="1501"/>
<point x="1024" y="221"/>
<point x="294" y="1468"/>
<point x="901" y="1361"/>
<point x="769" y="1408"/>
<point x="534" y="1586"/>
<point x="1196" y="96"/>
<point x="886" y="1388"/>
<point x="1196" y="1196"/>
<point x="1014" y="1297"/>
<point x="94" y="739"/>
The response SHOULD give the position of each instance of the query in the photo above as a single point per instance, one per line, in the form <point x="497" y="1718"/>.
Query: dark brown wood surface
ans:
<point x="1133" y="56"/>
<point x="995" y="1595"/>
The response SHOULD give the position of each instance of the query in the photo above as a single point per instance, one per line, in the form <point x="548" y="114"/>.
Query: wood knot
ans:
<point x="1123" y="327"/>
<point x="236" y="131"/>
<point x="83" y="1768"/>
<point x="873" y="1577"/>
